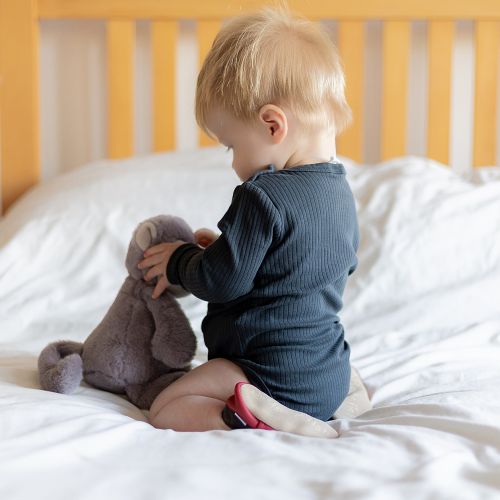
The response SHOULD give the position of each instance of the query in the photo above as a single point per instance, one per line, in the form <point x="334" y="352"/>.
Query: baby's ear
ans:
<point x="275" y="121"/>
<point x="145" y="235"/>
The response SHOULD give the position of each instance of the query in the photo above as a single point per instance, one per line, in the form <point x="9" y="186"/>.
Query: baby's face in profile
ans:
<point x="252" y="148"/>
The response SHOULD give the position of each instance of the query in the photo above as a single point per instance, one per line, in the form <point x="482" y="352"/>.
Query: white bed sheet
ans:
<point x="421" y="312"/>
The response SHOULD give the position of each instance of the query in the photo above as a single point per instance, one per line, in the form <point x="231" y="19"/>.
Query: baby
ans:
<point x="271" y="90"/>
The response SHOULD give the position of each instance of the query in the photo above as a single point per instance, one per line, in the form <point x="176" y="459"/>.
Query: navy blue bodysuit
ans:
<point x="274" y="281"/>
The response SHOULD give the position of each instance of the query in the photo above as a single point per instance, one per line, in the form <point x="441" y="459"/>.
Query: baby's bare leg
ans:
<point x="194" y="402"/>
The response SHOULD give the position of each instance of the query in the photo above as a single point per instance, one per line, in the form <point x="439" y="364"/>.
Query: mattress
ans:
<point x="421" y="314"/>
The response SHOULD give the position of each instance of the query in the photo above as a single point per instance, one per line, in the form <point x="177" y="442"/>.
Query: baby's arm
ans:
<point x="226" y="269"/>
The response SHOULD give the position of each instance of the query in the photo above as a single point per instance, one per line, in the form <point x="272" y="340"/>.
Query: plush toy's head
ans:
<point x="159" y="229"/>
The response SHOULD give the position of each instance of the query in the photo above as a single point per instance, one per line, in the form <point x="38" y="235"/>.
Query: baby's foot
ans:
<point x="254" y="409"/>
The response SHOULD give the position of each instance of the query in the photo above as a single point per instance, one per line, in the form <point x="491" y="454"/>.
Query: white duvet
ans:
<point x="421" y="313"/>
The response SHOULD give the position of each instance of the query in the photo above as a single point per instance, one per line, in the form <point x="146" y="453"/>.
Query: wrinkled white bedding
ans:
<point x="421" y="313"/>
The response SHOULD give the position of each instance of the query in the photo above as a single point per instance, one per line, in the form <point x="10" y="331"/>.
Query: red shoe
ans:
<point x="236" y="414"/>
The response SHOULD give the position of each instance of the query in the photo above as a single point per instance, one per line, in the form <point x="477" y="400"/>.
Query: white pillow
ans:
<point x="430" y="245"/>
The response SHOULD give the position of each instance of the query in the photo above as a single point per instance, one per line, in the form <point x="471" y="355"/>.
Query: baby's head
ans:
<point x="272" y="89"/>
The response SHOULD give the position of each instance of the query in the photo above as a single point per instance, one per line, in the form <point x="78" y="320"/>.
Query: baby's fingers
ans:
<point x="155" y="249"/>
<point x="204" y="233"/>
<point x="204" y="236"/>
<point x="160" y="287"/>
<point x="150" y="261"/>
<point x="152" y="272"/>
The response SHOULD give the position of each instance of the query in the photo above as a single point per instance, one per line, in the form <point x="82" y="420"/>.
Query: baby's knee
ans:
<point x="157" y="420"/>
<point x="162" y="400"/>
<point x="161" y="418"/>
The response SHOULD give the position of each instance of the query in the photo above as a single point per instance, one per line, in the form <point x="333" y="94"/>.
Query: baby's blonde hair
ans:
<point x="273" y="57"/>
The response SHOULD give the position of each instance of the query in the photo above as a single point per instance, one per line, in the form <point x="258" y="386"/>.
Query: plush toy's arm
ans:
<point x="174" y="342"/>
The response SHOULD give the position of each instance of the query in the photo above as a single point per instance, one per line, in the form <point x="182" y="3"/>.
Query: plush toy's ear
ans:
<point x="145" y="234"/>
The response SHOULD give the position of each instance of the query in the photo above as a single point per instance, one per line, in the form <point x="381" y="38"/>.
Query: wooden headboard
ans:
<point x="19" y="71"/>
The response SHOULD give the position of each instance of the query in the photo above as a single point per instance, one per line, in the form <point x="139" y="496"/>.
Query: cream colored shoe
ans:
<point x="281" y="418"/>
<point x="357" y="401"/>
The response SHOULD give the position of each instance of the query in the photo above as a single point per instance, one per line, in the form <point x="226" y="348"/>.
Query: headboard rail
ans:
<point x="19" y="72"/>
<point x="314" y="9"/>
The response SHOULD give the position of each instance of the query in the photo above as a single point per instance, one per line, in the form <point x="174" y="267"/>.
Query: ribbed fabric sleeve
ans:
<point x="225" y="270"/>
<point x="178" y="260"/>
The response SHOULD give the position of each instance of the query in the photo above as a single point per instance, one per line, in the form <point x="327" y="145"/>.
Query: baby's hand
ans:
<point x="158" y="256"/>
<point x="205" y="237"/>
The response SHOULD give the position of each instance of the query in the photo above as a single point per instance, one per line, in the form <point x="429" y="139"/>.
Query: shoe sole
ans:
<point x="281" y="418"/>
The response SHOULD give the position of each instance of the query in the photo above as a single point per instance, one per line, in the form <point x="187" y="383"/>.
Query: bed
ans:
<point x="421" y="312"/>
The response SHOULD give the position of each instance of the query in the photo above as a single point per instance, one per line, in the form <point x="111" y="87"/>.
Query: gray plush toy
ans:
<point x="142" y="344"/>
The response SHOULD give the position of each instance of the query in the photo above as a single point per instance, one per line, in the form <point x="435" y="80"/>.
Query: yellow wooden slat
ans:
<point x="395" y="59"/>
<point x="206" y="32"/>
<point x="440" y="39"/>
<point x="315" y="9"/>
<point x="19" y="106"/>
<point x="351" y="40"/>
<point x="485" y="98"/>
<point x="120" y="88"/>
<point x="163" y="40"/>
